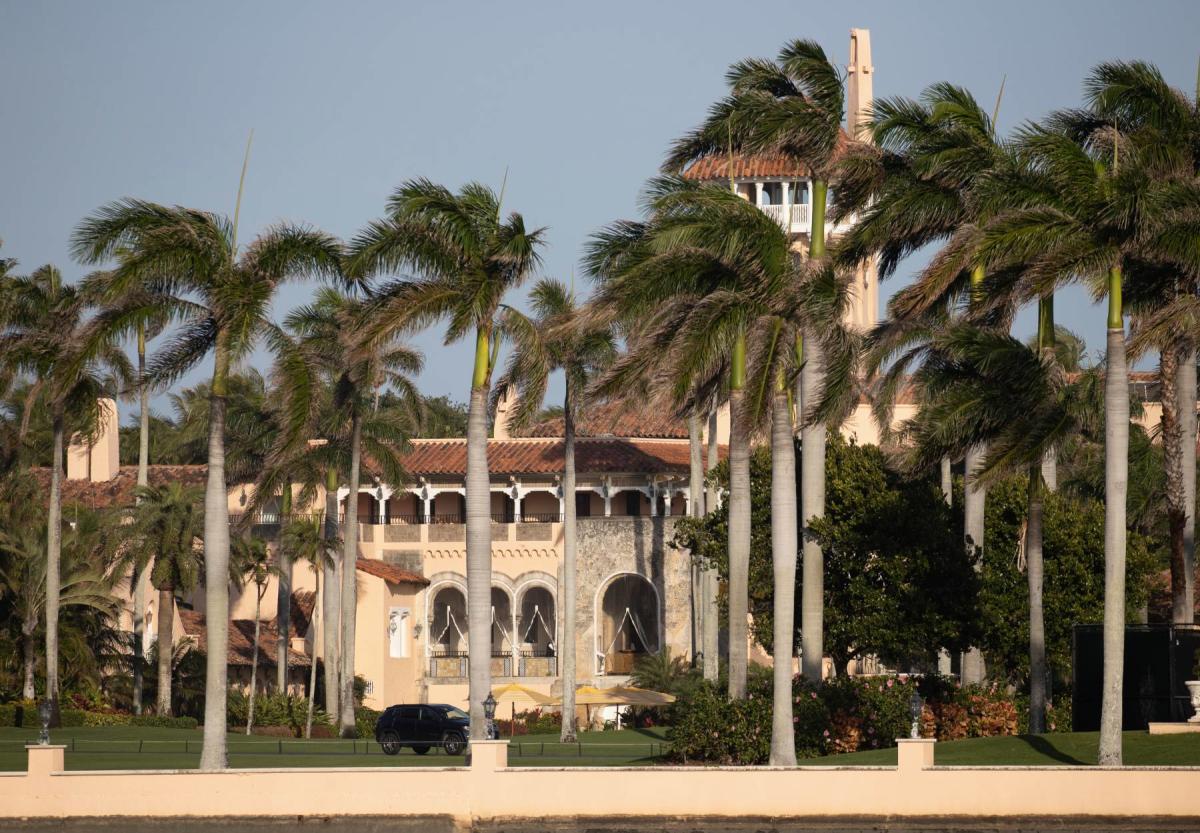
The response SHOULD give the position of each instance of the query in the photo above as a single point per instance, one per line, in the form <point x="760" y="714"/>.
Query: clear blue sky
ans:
<point x="578" y="101"/>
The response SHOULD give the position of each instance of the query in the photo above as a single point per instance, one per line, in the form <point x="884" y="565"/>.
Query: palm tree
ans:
<point x="327" y="331"/>
<point x="168" y="524"/>
<point x="1093" y="213"/>
<point x="558" y="337"/>
<point x="305" y="539"/>
<point x="792" y="106"/>
<point x="178" y="251"/>
<point x="918" y="183"/>
<point x="1136" y="99"/>
<point x="250" y="559"/>
<point x="46" y="335"/>
<point x="466" y="257"/>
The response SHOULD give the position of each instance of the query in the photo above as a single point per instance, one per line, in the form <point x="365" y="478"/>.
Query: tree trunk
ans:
<point x="216" y="572"/>
<point x="570" y="588"/>
<point x="53" y="557"/>
<point x="1116" y="480"/>
<point x="1037" y="624"/>
<point x="143" y="479"/>
<point x="261" y="591"/>
<point x="1050" y="469"/>
<point x="696" y="510"/>
<point x="330" y="603"/>
<point x="479" y="560"/>
<point x="947" y="482"/>
<point x="974" y="507"/>
<point x="1173" y="451"/>
<point x="711" y="602"/>
<point x="739" y="543"/>
<point x="166" y="648"/>
<point x="312" y="668"/>
<point x="1186" y="391"/>
<point x="346" y="724"/>
<point x="812" y="506"/>
<point x="783" y="561"/>
<point x="29" y="657"/>
<point x="283" y="599"/>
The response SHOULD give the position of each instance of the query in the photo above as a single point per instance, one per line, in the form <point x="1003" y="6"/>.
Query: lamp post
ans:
<point x="45" y="712"/>
<point x="489" y="712"/>
<point x="915" y="706"/>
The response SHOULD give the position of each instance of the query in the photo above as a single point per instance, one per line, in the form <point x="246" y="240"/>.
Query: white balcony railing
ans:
<point x="794" y="219"/>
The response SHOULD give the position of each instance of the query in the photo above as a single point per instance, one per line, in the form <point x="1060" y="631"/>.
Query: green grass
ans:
<point x="1062" y="749"/>
<point x="129" y="747"/>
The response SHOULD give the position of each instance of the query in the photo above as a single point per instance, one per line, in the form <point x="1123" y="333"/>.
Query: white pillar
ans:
<point x="607" y="494"/>
<point x="653" y="500"/>
<point x="758" y="189"/>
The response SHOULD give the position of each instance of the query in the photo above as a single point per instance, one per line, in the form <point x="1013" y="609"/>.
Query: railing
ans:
<point x="272" y="518"/>
<point x="535" y="662"/>
<point x="793" y="218"/>
<point x="530" y="663"/>
<point x="497" y="518"/>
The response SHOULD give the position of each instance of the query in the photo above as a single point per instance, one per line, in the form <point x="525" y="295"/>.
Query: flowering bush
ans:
<point x="531" y="722"/>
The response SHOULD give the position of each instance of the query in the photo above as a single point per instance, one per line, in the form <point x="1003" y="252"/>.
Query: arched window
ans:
<point x="448" y="622"/>
<point x="502" y="623"/>
<point x="629" y="623"/>
<point x="536" y="624"/>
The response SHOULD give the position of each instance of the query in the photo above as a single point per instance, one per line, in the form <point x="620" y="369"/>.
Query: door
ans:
<point x="407" y="723"/>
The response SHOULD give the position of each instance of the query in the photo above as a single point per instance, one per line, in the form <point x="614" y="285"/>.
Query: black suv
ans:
<point x="422" y="727"/>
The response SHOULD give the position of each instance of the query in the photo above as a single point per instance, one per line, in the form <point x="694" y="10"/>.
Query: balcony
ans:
<point x="530" y="663"/>
<point x="794" y="219"/>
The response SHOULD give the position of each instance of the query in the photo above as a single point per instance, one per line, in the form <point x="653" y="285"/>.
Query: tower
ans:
<point x="864" y="312"/>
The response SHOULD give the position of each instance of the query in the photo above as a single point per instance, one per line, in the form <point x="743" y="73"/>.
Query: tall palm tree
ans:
<point x="168" y="524"/>
<point x="1093" y="213"/>
<point x="791" y="106"/>
<point x="180" y="251"/>
<point x="305" y="539"/>
<point x="47" y="336"/>
<point x="327" y="331"/>
<point x="557" y="337"/>
<point x="251" y="562"/>
<point x="466" y="257"/>
<point x="1136" y="99"/>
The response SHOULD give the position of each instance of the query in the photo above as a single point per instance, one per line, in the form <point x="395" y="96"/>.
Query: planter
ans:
<point x="1193" y="687"/>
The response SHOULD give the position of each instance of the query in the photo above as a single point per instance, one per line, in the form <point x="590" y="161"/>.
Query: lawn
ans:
<point x="1063" y="749"/>
<point x="129" y="747"/>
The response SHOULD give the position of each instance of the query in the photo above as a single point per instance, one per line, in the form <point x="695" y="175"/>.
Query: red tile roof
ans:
<point x="119" y="490"/>
<point x="389" y="572"/>
<point x="614" y="420"/>
<point x="241" y="640"/>
<point x="746" y="166"/>
<point x="545" y="456"/>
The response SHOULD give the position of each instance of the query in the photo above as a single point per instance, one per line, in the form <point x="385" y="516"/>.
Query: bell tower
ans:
<point x="864" y="310"/>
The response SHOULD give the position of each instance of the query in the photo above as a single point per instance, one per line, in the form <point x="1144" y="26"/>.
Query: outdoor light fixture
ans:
<point x="489" y="712"/>
<point x="915" y="705"/>
<point x="44" y="714"/>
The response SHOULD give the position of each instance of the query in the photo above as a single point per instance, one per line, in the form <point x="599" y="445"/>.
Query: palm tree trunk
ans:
<point x="712" y="613"/>
<point x="143" y="479"/>
<point x="1037" y="624"/>
<point x="1050" y="469"/>
<point x="312" y="668"/>
<point x="260" y="589"/>
<point x="330" y="602"/>
<point x="947" y="482"/>
<point x="812" y="503"/>
<point x="570" y="582"/>
<point x="53" y="556"/>
<point x="29" y="652"/>
<point x="1186" y="391"/>
<point x="479" y="551"/>
<point x="283" y="599"/>
<point x="739" y="543"/>
<point x="783" y="560"/>
<point x="1173" y="452"/>
<point x="1116" y="483"/>
<point x="216" y="571"/>
<point x="166" y="648"/>
<point x="346" y="724"/>
<point x="974" y="506"/>
<point x="696" y="510"/>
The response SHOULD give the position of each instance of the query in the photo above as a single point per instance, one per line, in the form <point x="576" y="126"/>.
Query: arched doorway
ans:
<point x="536" y="636"/>
<point x="628" y="626"/>
<point x="448" y="633"/>
<point x="503" y="639"/>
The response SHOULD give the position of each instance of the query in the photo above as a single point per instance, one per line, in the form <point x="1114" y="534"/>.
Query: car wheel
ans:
<point x="389" y="742"/>
<point x="421" y="748"/>
<point x="454" y="743"/>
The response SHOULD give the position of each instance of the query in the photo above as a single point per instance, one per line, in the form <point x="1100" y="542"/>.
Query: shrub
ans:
<point x="106" y="719"/>
<point x="70" y="718"/>
<point x="163" y="722"/>
<point x="19" y="713"/>
<point x="364" y="722"/>
<point x="276" y="709"/>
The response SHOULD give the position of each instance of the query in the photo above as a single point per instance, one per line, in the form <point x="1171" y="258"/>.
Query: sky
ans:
<point x="577" y="102"/>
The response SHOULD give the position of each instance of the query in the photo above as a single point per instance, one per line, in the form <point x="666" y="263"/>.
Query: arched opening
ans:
<point x="536" y="633"/>
<point x="503" y="639"/>
<point x="448" y="633"/>
<point x="629" y="626"/>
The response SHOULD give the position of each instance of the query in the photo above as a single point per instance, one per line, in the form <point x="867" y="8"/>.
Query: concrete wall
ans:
<point x="489" y="790"/>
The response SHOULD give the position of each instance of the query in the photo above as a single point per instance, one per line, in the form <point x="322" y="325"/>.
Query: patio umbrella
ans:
<point x="513" y="692"/>
<point x="627" y="695"/>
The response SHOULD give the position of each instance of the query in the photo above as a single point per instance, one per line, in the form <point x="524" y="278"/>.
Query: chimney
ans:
<point x="97" y="460"/>
<point x="504" y="408"/>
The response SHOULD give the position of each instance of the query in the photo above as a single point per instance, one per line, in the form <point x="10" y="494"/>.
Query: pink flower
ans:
<point x="795" y="699"/>
<point x="891" y="682"/>
<point x="813" y="695"/>
<point x="826" y="733"/>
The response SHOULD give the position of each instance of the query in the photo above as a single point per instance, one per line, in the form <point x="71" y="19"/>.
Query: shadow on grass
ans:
<point x="1040" y="745"/>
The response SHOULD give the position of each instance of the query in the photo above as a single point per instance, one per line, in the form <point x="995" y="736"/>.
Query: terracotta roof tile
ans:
<point x="389" y="572"/>
<point x="119" y="490"/>
<point x="545" y="456"/>
<point x="241" y="640"/>
<point x="754" y="165"/>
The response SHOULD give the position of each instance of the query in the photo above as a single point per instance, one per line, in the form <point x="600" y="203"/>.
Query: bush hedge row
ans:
<point x="24" y="713"/>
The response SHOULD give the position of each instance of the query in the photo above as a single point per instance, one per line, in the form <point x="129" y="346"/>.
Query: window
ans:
<point x="409" y="713"/>
<point x="583" y="504"/>
<point x="398" y="632"/>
